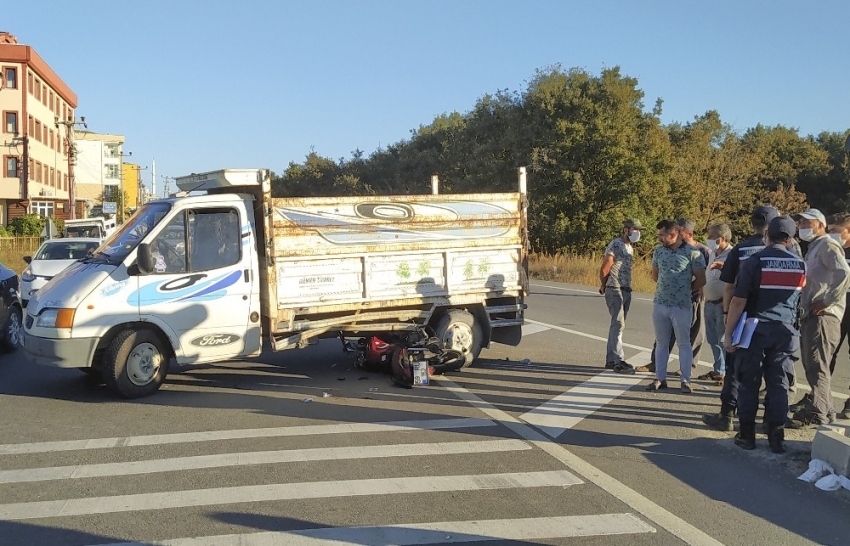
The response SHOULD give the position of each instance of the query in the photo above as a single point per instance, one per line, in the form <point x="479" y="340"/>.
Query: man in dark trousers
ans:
<point x="768" y="289"/>
<point x="839" y="229"/>
<point x="759" y="219"/>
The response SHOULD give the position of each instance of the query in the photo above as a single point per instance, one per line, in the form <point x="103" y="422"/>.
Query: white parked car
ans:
<point x="52" y="257"/>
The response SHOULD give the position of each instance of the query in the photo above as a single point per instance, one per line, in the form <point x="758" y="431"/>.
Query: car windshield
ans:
<point x="65" y="250"/>
<point x="119" y="245"/>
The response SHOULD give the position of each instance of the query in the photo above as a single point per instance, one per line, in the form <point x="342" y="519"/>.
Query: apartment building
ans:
<point x="98" y="169"/>
<point x="132" y="180"/>
<point x="37" y="114"/>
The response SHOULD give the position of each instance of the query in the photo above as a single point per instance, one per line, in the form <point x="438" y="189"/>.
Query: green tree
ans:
<point x="114" y="194"/>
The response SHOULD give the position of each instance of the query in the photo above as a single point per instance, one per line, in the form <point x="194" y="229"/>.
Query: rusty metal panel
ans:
<point x="311" y="280"/>
<point x="341" y="225"/>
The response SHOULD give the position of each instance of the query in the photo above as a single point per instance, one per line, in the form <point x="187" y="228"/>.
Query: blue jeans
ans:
<point x="618" y="302"/>
<point x="669" y="320"/>
<point x="714" y="330"/>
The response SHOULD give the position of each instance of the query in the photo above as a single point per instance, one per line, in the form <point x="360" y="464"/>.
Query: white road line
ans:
<point x="565" y="289"/>
<point x="444" y="532"/>
<point x="529" y="329"/>
<point x="799" y="386"/>
<point x="216" y="435"/>
<point x="568" y="409"/>
<point x="652" y="511"/>
<point x="257" y="457"/>
<point x="287" y="491"/>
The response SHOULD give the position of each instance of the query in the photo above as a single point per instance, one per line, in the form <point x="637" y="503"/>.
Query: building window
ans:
<point x="51" y="101"/>
<point x="37" y="89"/>
<point x="52" y="140"/>
<point x="44" y="94"/>
<point x="42" y="208"/>
<point x="65" y="182"/>
<point x="12" y="163"/>
<point x="29" y="84"/>
<point x="112" y="171"/>
<point x="44" y="134"/>
<point x="38" y="130"/>
<point x="10" y="122"/>
<point x="52" y="177"/>
<point x="31" y="170"/>
<point x="10" y="77"/>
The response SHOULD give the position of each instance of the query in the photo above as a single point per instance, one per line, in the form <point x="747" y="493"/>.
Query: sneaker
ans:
<point x="686" y="387"/>
<point x="805" y="420"/>
<point x="610" y="365"/>
<point x="646" y="368"/>
<point x="624" y="368"/>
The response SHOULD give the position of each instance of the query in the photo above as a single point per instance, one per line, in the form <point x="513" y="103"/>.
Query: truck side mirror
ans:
<point x="144" y="259"/>
<point x="27" y="259"/>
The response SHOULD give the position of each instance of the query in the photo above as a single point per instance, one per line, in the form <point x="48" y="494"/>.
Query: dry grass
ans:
<point x="13" y="249"/>
<point x="575" y="269"/>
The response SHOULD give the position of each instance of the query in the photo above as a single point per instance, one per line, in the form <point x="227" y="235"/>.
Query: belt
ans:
<point x="714" y="301"/>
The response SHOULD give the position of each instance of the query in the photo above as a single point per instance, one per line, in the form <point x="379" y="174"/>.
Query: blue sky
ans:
<point x="202" y="85"/>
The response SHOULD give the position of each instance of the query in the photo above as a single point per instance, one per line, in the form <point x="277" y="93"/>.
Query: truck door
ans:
<point x="202" y="285"/>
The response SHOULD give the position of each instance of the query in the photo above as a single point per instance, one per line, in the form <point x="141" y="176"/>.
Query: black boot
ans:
<point x="776" y="438"/>
<point x="720" y="421"/>
<point x="746" y="437"/>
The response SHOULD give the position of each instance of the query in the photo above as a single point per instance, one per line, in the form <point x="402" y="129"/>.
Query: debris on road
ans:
<point x="306" y="400"/>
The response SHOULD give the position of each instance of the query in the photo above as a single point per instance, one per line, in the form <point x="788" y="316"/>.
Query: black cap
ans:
<point x="764" y="213"/>
<point x="782" y="225"/>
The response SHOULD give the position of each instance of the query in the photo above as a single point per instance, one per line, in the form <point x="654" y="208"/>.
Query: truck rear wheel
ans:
<point x="135" y="363"/>
<point x="459" y="331"/>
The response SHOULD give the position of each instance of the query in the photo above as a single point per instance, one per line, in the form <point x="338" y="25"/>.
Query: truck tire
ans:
<point x="136" y="363"/>
<point x="10" y="337"/>
<point x="459" y="331"/>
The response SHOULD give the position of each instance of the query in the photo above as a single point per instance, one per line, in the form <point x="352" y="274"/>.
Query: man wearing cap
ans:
<point x="823" y="302"/>
<point x="759" y="220"/>
<point x="678" y="270"/>
<point x="768" y="289"/>
<point x="696" y="334"/>
<point x="615" y="276"/>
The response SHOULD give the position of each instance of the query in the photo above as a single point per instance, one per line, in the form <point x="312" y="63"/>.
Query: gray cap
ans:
<point x="633" y="223"/>
<point x="812" y="214"/>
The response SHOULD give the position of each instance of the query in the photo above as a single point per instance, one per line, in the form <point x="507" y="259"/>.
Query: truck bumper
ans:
<point x="62" y="353"/>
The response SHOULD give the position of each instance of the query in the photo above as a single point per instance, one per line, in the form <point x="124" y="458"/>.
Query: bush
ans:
<point x="32" y="224"/>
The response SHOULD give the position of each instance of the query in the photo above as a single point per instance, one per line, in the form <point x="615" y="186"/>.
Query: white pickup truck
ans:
<point x="204" y="278"/>
<point x="98" y="227"/>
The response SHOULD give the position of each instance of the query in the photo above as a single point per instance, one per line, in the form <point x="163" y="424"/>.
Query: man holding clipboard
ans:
<point x="768" y="291"/>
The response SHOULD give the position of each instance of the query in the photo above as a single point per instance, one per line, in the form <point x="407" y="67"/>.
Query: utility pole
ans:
<point x="140" y="191"/>
<point x="72" y="159"/>
<point x="121" y="187"/>
<point x="153" y="178"/>
<point x="167" y="183"/>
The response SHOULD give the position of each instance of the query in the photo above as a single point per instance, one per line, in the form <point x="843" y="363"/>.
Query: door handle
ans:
<point x="247" y="273"/>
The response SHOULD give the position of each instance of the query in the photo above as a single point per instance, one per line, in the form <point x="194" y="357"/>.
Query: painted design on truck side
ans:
<point x="193" y="287"/>
<point x="384" y="222"/>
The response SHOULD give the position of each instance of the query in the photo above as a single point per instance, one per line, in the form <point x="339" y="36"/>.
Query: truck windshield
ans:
<point x="119" y="245"/>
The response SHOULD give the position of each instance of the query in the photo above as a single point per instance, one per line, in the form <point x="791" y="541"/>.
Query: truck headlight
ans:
<point x="55" y="318"/>
<point x="27" y="275"/>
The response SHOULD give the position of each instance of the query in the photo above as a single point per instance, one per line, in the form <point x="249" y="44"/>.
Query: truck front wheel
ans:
<point x="459" y="331"/>
<point x="135" y="364"/>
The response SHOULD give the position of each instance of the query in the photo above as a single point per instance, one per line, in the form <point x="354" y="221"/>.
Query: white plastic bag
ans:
<point x="830" y="482"/>
<point x="817" y="469"/>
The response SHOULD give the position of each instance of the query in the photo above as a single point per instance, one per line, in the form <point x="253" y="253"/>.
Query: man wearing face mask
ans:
<point x="839" y="229"/>
<point x="615" y="276"/>
<point x="719" y="243"/>
<point x="823" y="302"/>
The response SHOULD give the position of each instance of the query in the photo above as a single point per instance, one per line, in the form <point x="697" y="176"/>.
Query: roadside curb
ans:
<point x="832" y="445"/>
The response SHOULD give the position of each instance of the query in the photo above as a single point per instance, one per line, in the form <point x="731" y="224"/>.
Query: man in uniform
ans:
<point x="615" y="276"/>
<point x="759" y="219"/>
<point x="768" y="288"/>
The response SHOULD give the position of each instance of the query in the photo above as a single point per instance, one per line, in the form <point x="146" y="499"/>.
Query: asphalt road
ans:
<point x="234" y="453"/>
